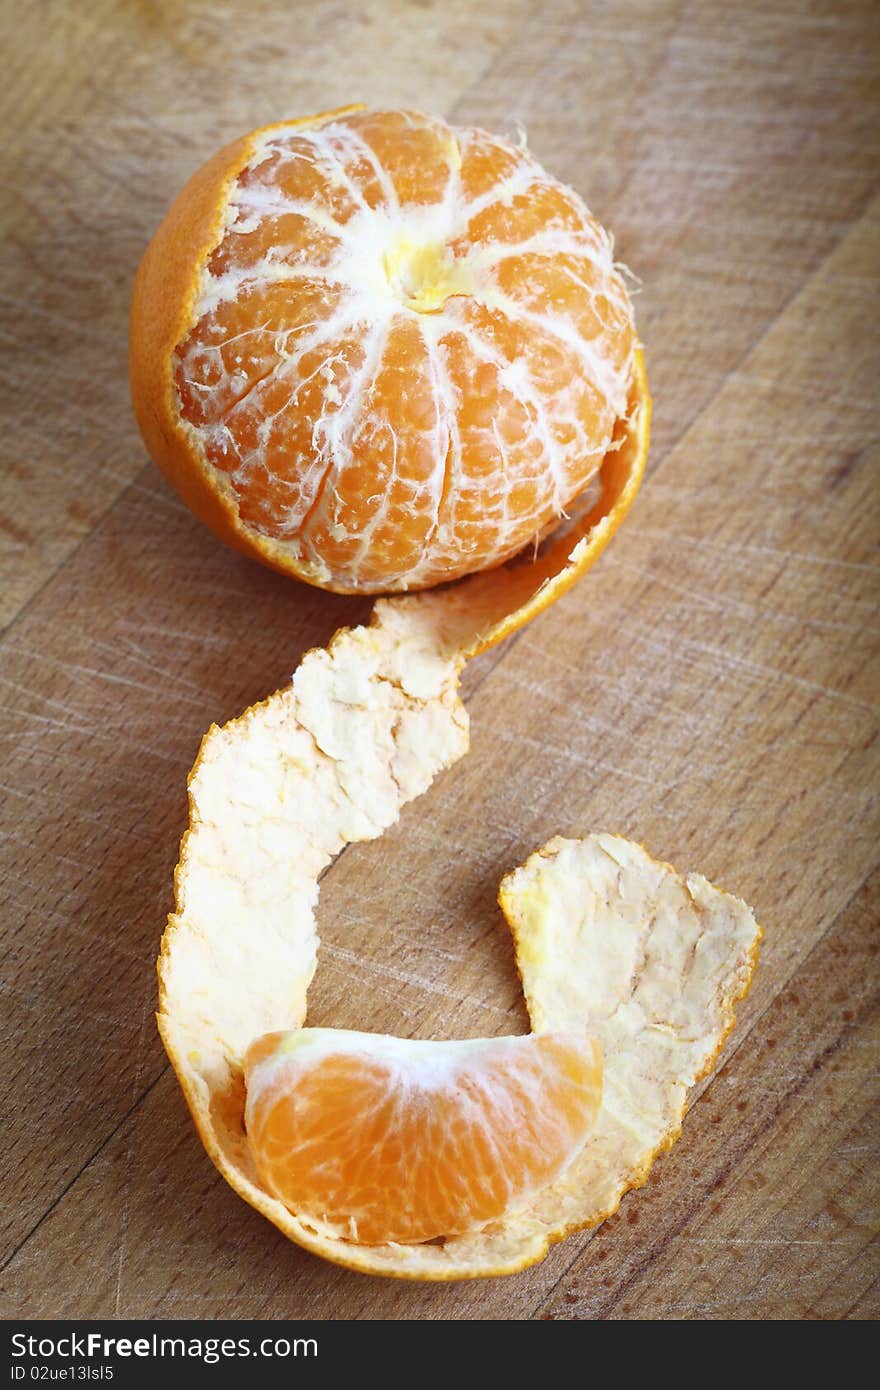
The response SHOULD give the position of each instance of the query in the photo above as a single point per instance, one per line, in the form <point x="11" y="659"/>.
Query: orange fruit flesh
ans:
<point x="405" y="1141"/>
<point x="409" y="350"/>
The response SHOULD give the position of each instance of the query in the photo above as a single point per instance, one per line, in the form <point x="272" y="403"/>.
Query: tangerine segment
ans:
<point x="408" y="351"/>
<point x="395" y="1140"/>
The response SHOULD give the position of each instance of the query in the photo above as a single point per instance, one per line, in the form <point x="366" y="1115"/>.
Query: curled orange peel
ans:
<point x="608" y="941"/>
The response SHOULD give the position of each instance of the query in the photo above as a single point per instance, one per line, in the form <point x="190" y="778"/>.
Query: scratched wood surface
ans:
<point x="710" y="689"/>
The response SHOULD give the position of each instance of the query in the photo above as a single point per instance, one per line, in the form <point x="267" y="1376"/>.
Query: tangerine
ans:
<point x="378" y="351"/>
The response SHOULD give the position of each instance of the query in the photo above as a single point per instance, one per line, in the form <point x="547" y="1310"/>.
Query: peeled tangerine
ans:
<point x="377" y="353"/>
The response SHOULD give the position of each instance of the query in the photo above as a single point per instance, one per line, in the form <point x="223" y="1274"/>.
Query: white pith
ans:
<point x="418" y="1062"/>
<point x="362" y="266"/>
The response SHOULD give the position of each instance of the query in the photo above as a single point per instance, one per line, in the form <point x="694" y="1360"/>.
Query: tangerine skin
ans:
<point x="166" y="316"/>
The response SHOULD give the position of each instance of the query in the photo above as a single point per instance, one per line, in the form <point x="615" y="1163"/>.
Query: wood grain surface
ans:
<point x="710" y="689"/>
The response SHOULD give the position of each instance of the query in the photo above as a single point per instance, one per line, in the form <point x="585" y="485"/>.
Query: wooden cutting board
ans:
<point x="708" y="689"/>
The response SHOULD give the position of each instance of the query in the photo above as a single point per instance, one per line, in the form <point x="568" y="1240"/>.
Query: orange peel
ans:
<point x="365" y="725"/>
